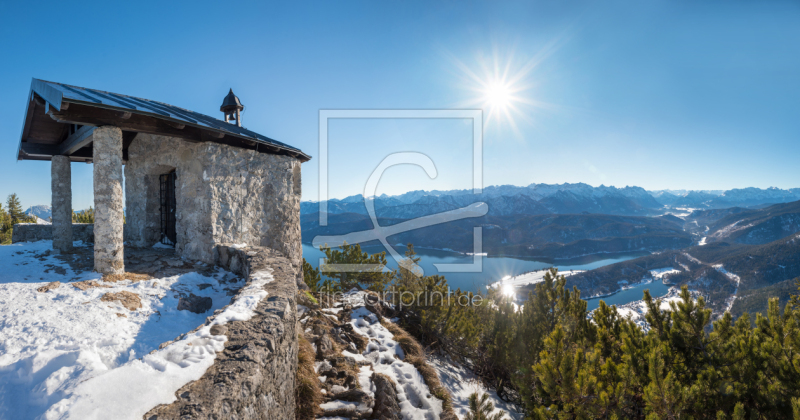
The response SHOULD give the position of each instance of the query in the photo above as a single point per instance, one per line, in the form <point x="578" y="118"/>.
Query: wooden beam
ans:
<point x="49" y="150"/>
<point x="212" y="135"/>
<point x="173" y="124"/>
<point x="125" y="115"/>
<point x="36" y="149"/>
<point x="76" y="141"/>
<point x="26" y="129"/>
<point x="86" y="115"/>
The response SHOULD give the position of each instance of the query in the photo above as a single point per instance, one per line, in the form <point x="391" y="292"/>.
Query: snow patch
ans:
<point x="66" y="354"/>
<point x="461" y="383"/>
<point x="386" y="357"/>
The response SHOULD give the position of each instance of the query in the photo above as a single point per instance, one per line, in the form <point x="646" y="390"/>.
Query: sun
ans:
<point x="503" y="86"/>
<point x="508" y="290"/>
<point x="498" y="95"/>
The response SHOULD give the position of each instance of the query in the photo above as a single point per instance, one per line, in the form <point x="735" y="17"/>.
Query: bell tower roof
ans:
<point x="231" y="102"/>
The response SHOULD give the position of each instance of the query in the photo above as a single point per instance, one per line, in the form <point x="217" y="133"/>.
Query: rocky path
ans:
<point x="362" y="368"/>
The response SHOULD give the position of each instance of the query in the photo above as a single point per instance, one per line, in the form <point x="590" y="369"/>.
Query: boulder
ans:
<point x="196" y="304"/>
<point x="386" y="405"/>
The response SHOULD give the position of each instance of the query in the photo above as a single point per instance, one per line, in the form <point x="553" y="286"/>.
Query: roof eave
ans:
<point x="54" y="98"/>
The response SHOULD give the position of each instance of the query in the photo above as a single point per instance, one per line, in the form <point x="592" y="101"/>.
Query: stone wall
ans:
<point x="150" y="156"/>
<point x="224" y="195"/>
<point x="255" y="199"/>
<point x="31" y="232"/>
<point x="254" y="377"/>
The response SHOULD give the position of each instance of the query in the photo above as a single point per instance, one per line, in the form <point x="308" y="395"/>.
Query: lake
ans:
<point x="656" y="287"/>
<point x="495" y="268"/>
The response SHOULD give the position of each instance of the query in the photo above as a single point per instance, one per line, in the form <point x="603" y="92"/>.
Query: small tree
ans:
<point x="480" y="408"/>
<point x="15" y="211"/>
<point x="361" y="269"/>
<point x="311" y="276"/>
<point x="5" y="227"/>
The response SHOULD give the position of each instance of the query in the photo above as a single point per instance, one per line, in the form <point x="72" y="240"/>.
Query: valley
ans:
<point x="736" y="248"/>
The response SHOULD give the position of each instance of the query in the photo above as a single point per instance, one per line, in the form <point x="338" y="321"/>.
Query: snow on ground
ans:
<point x="386" y="357"/>
<point x="681" y="211"/>
<point x="733" y="277"/>
<point x="659" y="273"/>
<point x="692" y="259"/>
<point x="66" y="354"/>
<point x="702" y="241"/>
<point x="461" y="383"/>
<point x="529" y="278"/>
<point x="730" y="229"/>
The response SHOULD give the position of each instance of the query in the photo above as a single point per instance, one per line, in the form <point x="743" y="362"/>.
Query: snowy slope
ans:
<point x="65" y="354"/>
<point x="461" y="383"/>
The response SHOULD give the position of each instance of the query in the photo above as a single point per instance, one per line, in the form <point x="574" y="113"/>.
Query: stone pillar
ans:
<point x="107" y="159"/>
<point x="61" y="203"/>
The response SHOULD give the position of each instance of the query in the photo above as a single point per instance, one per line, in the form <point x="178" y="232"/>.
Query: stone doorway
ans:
<point x="168" y="208"/>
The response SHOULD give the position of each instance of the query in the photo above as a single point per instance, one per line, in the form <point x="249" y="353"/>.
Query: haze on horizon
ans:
<point x="661" y="95"/>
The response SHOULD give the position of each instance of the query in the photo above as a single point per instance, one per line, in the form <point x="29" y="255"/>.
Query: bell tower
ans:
<point x="232" y="109"/>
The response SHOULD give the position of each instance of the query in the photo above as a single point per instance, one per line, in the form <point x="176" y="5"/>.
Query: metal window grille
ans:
<point x="168" y="233"/>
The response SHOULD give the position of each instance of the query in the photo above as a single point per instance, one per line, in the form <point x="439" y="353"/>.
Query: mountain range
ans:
<point x="565" y="198"/>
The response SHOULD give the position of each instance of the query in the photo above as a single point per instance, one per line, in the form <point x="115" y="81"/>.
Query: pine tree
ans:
<point x="311" y="276"/>
<point x="14" y="209"/>
<point x="360" y="268"/>
<point x="480" y="408"/>
<point x="5" y="227"/>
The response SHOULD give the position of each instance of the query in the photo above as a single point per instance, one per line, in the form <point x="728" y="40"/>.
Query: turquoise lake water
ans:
<point x="495" y="268"/>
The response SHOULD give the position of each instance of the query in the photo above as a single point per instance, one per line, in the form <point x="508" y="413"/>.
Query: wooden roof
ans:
<point x="60" y="119"/>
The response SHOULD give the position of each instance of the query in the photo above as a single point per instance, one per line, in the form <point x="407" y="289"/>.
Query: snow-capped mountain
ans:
<point x="558" y="199"/>
<point x="41" y="211"/>
<point x="738" y="197"/>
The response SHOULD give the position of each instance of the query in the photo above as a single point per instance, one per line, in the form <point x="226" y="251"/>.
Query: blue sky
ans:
<point x="698" y="95"/>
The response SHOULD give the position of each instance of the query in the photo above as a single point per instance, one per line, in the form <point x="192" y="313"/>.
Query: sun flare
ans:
<point x="503" y="85"/>
<point x="498" y="95"/>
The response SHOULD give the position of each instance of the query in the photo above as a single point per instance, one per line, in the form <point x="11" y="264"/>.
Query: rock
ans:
<point x="87" y="284"/>
<point x="363" y="399"/>
<point x="49" y="286"/>
<point x="174" y="263"/>
<point x="218" y="329"/>
<point x="129" y="300"/>
<point x="386" y="405"/>
<point x="353" y="395"/>
<point x="324" y="346"/>
<point x="194" y="304"/>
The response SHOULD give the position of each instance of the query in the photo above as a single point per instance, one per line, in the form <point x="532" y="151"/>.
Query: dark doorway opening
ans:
<point x="168" y="231"/>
